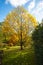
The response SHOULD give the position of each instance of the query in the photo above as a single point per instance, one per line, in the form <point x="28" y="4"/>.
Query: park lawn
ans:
<point x="15" y="56"/>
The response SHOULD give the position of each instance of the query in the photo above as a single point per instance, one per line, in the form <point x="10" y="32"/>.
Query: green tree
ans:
<point x="37" y="37"/>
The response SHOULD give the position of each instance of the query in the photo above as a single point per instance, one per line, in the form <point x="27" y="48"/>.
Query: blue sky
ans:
<point x="35" y="7"/>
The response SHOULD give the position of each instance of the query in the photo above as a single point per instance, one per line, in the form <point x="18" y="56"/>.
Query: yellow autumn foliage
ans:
<point x="18" y="22"/>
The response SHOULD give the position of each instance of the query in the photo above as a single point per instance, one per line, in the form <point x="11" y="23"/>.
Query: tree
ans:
<point x="8" y="33"/>
<point x="22" y="23"/>
<point x="37" y="37"/>
<point x="1" y="36"/>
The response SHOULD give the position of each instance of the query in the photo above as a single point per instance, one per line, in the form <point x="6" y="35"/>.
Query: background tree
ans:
<point x="37" y="38"/>
<point x="1" y="32"/>
<point x="21" y="23"/>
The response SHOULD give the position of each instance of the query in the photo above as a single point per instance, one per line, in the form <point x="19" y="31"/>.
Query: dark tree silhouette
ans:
<point x="37" y="37"/>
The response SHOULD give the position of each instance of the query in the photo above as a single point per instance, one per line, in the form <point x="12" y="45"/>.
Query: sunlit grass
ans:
<point x="15" y="56"/>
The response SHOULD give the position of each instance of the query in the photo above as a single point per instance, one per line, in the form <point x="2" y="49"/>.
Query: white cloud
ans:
<point x="38" y="11"/>
<point x="16" y="2"/>
<point x="31" y="6"/>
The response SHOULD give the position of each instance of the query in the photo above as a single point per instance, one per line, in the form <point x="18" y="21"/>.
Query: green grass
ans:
<point x="14" y="56"/>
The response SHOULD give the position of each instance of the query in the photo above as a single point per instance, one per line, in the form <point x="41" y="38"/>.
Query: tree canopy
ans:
<point x="18" y="25"/>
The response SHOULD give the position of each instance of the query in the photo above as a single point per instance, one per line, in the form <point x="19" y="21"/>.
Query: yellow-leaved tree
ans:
<point x="20" y="24"/>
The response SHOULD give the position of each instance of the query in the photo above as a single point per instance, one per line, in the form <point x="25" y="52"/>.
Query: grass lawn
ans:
<point x="14" y="56"/>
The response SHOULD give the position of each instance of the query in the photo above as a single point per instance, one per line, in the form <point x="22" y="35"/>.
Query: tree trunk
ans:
<point x="21" y="37"/>
<point x="21" y="43"/>
<point x="21" y="46"/>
